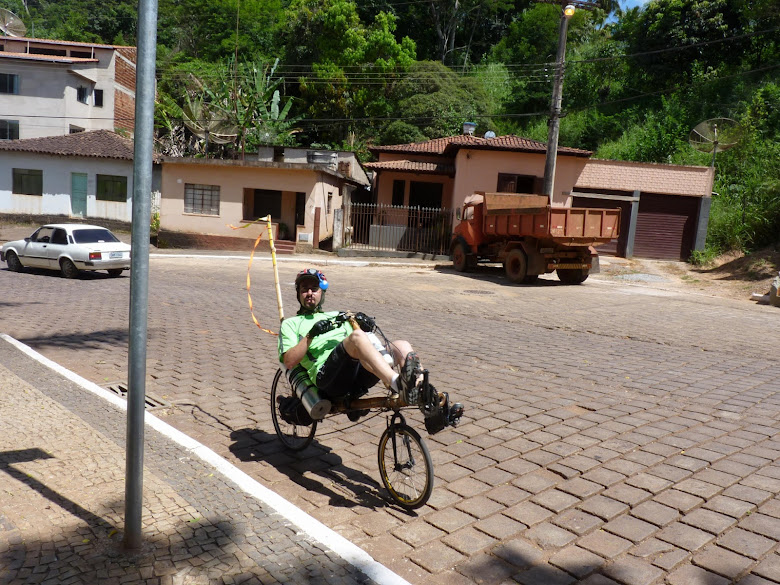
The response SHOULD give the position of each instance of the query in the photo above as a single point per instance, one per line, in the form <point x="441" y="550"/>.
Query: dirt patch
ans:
<point x="734" y="275"/>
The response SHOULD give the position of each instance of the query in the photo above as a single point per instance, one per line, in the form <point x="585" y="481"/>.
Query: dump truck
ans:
<point x="530" y="237"/>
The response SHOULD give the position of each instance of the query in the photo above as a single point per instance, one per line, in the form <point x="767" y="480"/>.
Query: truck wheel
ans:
<point x="572" y="275"/>
<point x="460" y="259"/>
<point x="516" y="266"/>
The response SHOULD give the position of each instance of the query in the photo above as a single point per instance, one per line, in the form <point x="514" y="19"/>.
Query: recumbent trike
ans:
<point x="405" y="465"/>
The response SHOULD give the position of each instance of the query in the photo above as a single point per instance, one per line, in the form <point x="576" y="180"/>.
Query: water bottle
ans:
<point x="307" y="393"/>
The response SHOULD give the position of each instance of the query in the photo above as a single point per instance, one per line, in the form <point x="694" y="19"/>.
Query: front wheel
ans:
<point x="462" y="261"/>
<point x="572" y="275"/>
<point x="405" y="466"/>
<point x="295" y="437"/>
<point x="14" y="264"/>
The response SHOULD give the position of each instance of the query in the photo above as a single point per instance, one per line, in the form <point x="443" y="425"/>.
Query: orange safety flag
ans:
<point x="248" y="268"/>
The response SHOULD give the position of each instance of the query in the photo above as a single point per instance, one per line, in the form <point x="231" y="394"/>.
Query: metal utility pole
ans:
<point x="139" y="270"/>
<point x="555" y="106"/>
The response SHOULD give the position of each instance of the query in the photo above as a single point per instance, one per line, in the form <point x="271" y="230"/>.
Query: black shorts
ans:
<point x="341" y="375"/>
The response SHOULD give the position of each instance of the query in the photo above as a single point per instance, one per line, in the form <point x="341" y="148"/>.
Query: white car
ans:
<point x="68" y="247"/>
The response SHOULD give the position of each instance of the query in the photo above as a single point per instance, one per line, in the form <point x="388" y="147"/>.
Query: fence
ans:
<point x="372" y="226"/>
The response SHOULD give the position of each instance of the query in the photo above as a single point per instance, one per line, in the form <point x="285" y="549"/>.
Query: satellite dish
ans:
<point x="11" y="25"/>
<point x="490" y="134"/>
<point x="715" y="135"/>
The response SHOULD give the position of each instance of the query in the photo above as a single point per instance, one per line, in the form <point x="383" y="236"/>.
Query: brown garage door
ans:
<point x="665" y="227"/>
<point x="615" y="247"/>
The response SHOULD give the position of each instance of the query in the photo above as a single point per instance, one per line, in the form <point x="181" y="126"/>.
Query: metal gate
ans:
<point x="374" y="226"/>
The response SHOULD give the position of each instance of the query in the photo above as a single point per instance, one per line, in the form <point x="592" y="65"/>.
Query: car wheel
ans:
<point x="68" y="269"/>
<point x="114" y="272"/>
<point x="14" y="264"/>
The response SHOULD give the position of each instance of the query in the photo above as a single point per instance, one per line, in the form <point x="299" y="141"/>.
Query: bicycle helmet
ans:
<point x="311" y="274"/>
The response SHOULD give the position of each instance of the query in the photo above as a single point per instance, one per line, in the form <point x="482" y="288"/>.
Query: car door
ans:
<point x="58" y="244"/>
<point x="35" y="252"/>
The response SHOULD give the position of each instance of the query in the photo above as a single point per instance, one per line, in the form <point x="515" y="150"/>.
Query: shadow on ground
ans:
<point x="316" y="468"/>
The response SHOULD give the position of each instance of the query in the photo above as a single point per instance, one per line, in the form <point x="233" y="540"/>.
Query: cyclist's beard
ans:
<point x="305" y="310"/>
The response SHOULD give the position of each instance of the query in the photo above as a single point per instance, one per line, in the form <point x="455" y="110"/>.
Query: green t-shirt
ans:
<point x="295" y="328"/>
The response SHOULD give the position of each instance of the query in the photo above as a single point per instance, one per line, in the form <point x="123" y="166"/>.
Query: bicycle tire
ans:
<point x="294" y="437"/>
<point x="408" y="480"/>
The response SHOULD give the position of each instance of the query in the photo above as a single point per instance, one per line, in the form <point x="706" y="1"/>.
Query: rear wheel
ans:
<point x="295" y="437"/>
<point x="114" y="272"/>
<point x="405" y="466"/>
<point x="572" y="275"/>
<point x="14" y="264"/>
<point x="68" y="268"/>
<point x="516" y="266"/>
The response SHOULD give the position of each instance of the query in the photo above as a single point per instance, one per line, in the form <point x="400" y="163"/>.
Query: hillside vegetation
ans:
<point x="234" y="75"/>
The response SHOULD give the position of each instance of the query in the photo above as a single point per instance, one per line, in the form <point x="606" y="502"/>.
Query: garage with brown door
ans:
<point x="666" y="226"/>
<point x="669" y="203"/>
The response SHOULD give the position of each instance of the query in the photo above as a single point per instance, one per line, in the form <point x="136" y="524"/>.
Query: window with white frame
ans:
<point x="203" y="199"/>
<point x="9" y="83"/>
<point x="28" y="181"/>
<point x="82" y="94"/>
<point x="9" y="129"/>
<point x="111" y="188"/>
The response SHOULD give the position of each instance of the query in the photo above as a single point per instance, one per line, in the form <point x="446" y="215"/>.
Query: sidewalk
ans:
<point x="62" y="466"/>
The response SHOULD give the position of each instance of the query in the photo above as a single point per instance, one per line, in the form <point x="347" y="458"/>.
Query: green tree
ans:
<point x="353" y="66"/>
<point x="669" y="36"/>
<point x="216" y="29"/>
<point x="437" y="101"/>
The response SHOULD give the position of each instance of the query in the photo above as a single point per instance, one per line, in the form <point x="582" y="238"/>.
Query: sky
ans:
<point x="631" y="3"/>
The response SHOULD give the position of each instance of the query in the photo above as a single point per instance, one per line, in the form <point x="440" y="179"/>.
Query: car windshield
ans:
<point x="93" y="236"/>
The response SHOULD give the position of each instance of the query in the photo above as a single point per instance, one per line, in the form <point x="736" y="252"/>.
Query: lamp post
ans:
<point x="555" y="106"/>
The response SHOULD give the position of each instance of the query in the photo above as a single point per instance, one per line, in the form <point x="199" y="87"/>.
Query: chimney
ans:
<point x="469" y="127"/>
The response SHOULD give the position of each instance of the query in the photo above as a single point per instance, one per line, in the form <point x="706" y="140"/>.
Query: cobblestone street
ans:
<point x="613" y="433"/>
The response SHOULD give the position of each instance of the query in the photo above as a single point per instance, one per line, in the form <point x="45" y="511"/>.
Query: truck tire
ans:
<point x="516" y="266"/>
<point x="572" y="275"/>
<point x="462" y="261"/>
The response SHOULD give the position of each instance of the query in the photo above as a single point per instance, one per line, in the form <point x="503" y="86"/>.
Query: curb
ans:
<point x="348" y="551"/>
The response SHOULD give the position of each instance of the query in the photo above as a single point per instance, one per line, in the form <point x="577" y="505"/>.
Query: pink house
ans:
<point x="665" y="207"/>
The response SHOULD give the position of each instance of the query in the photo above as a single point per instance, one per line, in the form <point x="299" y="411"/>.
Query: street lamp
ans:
<point x="555" y="106"/>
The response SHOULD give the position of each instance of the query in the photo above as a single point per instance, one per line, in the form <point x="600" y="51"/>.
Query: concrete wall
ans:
<point x="478" y="170"/>
<point x="57" y="185"/>
<point x="385" y="189"/>
<point x="234" y="183"/>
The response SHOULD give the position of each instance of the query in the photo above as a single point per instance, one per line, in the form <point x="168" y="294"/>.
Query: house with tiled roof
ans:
<point x="665" y="207"/>
<point x="89" y="175"/>
<point x="217" y="203"/>
<point x="83" y="175"/>
<point x="50" y="87"/>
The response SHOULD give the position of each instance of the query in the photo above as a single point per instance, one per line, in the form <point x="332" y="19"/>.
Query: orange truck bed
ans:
<point x="529" y="215"/>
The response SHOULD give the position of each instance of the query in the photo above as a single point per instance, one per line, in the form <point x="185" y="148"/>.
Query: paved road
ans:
<point x="613" y="432"/>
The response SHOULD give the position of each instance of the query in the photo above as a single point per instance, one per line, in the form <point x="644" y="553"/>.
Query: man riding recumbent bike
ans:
<point x="330" y="361"/>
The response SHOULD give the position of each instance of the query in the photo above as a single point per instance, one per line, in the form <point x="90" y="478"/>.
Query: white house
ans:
<point x="83" y="175"/>
<point x="50" y="88"/>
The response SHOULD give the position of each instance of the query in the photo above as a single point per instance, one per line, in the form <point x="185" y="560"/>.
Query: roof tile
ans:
<point x="450" y="144"/>
<point x="413" y="166"/>
<point x="646" y="177"/>
<point x="95" y="143"/>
